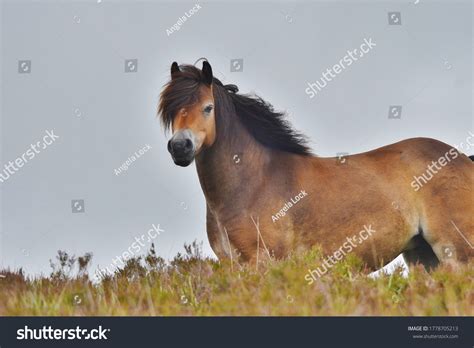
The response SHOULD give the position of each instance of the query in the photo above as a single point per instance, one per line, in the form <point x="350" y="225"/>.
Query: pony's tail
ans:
<point x="472" y="158"/>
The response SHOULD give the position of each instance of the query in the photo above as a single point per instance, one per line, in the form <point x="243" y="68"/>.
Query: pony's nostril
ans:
<point x="188" y="144"/>
<point x="169" y="146"/>
<point x="177" y="145"/>
<point x="182" y="145"/>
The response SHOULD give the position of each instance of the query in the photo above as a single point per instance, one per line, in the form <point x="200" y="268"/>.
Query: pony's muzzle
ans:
<point x="181" y="147"/>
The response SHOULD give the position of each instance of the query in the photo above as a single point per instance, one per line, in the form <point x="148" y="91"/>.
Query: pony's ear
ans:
<point x="207" y="72"/>
<point x="174" y="69"/>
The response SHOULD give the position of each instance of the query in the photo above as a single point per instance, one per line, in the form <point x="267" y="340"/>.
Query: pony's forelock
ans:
<point x="181" y="91"/>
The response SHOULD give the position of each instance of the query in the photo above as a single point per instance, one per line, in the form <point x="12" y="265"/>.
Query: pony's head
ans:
<point x="187" y="107"/>
<point x="202" y="112"/>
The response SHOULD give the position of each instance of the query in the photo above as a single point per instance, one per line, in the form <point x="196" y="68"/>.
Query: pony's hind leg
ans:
<point x="447" y="220"/>
<point x="419" y="251"/>
<point x="451" y="238"/>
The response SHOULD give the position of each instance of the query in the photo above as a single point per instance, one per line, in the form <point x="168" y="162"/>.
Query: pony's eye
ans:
<point x="208" y="109"/>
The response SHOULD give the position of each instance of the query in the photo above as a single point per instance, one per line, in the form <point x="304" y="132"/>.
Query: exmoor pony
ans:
<point x="267" y="195"/>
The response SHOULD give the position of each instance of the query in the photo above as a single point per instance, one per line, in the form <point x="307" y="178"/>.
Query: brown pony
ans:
<point x="267" y="195"/>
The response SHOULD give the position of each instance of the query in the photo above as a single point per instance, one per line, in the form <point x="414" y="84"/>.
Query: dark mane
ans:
<point x="270" y="128"/>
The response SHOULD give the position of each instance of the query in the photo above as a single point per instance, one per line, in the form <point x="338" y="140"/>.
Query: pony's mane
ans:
<point x="268" y="127"/>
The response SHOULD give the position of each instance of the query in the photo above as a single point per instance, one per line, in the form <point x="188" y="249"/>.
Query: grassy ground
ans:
<point x="194" y="285"/>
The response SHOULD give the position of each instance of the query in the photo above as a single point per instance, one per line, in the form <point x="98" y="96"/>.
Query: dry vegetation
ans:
<point x="194" y="285"/>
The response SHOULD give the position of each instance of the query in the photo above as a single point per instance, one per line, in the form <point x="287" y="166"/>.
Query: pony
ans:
<point x="268" y="195"/>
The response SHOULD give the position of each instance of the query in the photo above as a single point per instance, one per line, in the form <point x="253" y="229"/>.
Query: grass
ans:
<point x="195" y="285"/>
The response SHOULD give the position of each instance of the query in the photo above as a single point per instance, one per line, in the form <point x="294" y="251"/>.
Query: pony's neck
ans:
<point x="235" y="162"/>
